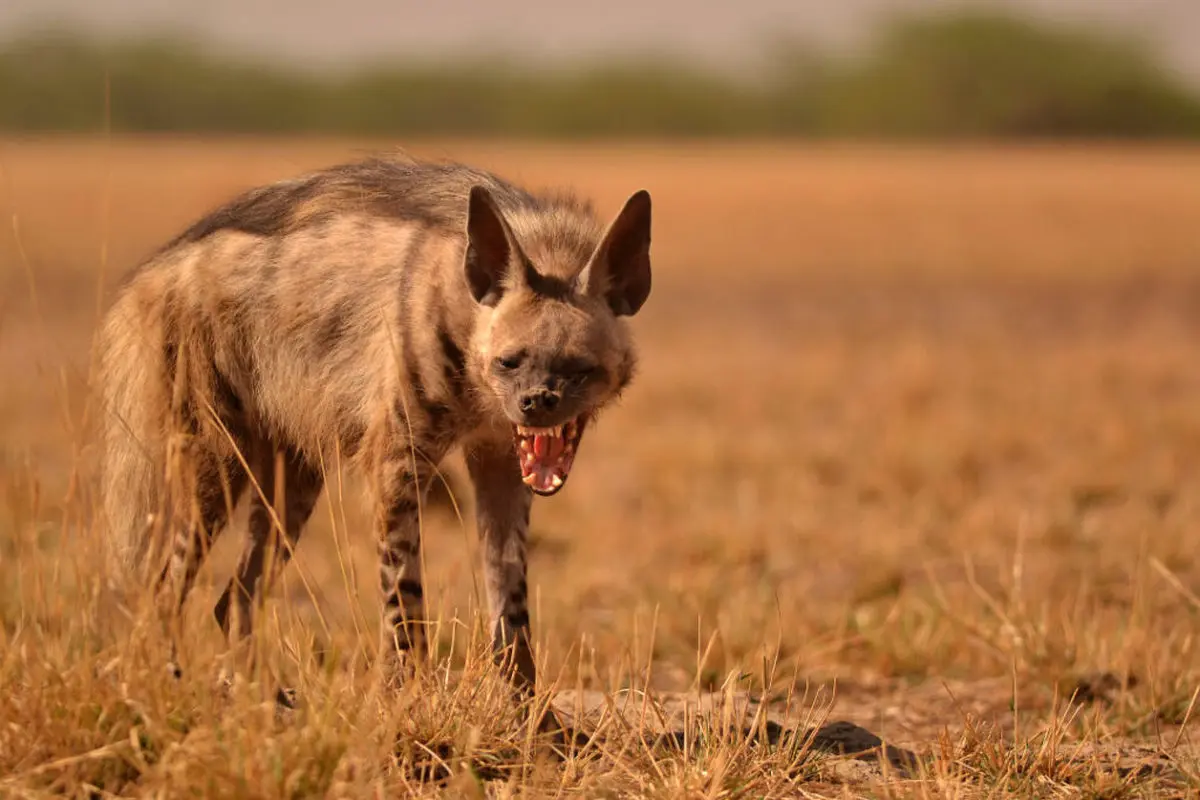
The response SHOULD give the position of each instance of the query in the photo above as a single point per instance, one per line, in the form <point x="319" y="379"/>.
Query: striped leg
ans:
<point x="202" y="497"/>
<point x="502" y="517"/>
<point x="291" y="486"/>
<point x="403" y="623"/>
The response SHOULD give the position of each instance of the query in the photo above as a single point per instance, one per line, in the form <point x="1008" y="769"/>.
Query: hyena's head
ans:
<point x="550" y="343"/>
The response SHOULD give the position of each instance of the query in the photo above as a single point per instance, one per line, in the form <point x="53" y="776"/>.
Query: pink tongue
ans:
<point x="547" y="446"/>
<point x="545" y="478"/>
<point x="547" y="453"/>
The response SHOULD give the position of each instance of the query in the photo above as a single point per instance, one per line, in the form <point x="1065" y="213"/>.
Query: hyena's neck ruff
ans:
<point x="382" y="312"/>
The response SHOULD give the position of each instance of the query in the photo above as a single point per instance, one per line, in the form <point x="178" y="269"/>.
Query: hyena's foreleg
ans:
<point x="401" y="491"/>
<point x="502" y="518"/>
<point x="287" y="490"/>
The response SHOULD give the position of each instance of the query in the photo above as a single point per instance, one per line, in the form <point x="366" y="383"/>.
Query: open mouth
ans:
<point x="546" y="454"/>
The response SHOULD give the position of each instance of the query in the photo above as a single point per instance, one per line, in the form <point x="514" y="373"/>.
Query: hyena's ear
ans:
<point x="620" y="269"/>
<point x="490" y="248"/>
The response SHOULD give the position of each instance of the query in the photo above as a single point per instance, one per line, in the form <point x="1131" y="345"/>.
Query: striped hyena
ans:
<point x="382" y="313"/>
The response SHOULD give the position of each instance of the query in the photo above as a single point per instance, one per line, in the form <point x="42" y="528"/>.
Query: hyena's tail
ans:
<point x="134" y="397"/>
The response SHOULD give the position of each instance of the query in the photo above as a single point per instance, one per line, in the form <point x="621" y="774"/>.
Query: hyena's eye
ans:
<point x="577" y="370"/>
<point x="511" y="361"/>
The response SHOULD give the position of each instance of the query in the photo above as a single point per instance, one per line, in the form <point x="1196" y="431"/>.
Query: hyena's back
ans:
<point x="311" y="315"/>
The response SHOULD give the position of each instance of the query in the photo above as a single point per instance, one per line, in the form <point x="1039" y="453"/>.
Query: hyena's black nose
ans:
<point x="539" y="400"/>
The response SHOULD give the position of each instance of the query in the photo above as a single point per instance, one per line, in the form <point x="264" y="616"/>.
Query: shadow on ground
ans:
<point x="679" y="720"/>
<point x="686" y="724"/>
<point x="838" y="752"/>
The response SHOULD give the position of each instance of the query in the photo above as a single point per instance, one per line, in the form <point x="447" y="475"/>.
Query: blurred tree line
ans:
<point x="969" y="75"/>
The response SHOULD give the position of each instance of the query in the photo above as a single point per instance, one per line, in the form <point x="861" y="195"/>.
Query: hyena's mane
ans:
<point x="432" y="194"/>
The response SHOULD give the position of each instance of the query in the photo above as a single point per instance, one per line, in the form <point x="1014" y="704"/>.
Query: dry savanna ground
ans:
<point x="915" y="448"/>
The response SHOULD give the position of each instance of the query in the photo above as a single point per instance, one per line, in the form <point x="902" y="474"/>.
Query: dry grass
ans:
<point x="915" y="446"/>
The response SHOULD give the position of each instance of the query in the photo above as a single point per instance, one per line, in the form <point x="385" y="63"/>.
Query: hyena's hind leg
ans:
<point x="286" y="492"/>
<point x="204" y="487"/>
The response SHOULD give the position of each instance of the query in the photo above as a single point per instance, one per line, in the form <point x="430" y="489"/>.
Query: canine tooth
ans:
<point x="556" y="481"/>
<point x="529" y="479"/>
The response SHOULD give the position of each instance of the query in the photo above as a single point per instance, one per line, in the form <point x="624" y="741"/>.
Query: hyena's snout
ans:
<point x="538" y="402"/>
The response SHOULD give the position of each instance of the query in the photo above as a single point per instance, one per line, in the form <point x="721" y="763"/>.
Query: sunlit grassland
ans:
<point x="914" y="444"/>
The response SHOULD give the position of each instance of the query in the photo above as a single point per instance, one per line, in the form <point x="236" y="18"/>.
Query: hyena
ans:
<point x="380" y="314"/>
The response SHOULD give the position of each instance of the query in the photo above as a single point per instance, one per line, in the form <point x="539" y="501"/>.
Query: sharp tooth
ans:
<point x="529" y="479"/>
<point x="556" y="481"/>
<point x="558" y="429"/>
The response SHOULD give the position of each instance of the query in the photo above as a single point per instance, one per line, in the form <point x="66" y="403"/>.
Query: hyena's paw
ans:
<point x="285" y="704"/>
<point x="394" y="676"/>
<point x="555" y="738"/>
<point x="226" y="679"/>
<point x="398" y="669"/>
<point x="286" y="697"/>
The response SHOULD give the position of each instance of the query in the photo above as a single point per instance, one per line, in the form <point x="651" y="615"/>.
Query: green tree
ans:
<point x="986" y="74"/>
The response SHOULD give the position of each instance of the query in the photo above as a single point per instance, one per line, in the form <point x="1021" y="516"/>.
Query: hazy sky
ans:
<point x="344" y="31"/>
